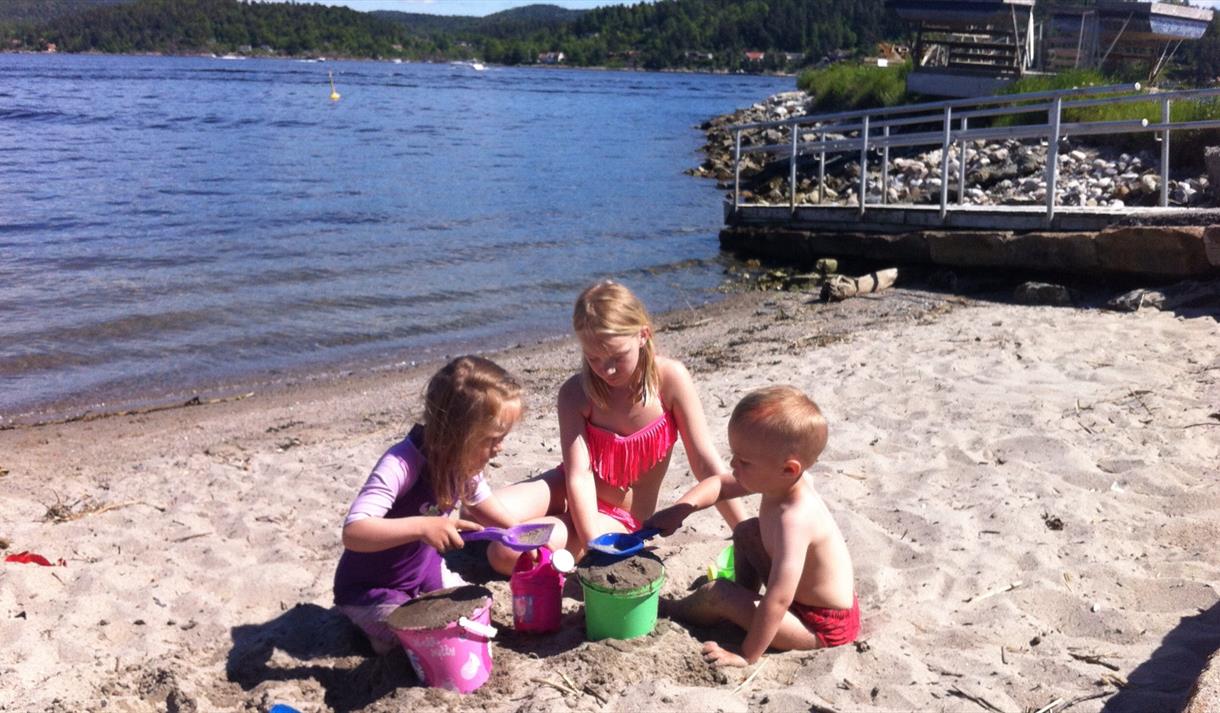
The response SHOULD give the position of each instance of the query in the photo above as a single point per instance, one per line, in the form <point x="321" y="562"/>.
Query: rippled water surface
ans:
<point x="174" y="223"/>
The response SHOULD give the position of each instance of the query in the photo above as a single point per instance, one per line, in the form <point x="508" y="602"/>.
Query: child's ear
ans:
<point x="793" y="468"/>
<point x="645" y="334"/>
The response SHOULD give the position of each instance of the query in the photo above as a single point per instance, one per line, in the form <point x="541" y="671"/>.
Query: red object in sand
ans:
<point x="31" y="558"/>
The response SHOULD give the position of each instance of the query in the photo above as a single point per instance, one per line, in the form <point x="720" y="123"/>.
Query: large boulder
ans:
<point x="1042" y="293"/>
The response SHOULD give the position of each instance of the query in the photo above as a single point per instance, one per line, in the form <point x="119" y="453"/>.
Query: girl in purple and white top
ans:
<point x="402" y="519"/>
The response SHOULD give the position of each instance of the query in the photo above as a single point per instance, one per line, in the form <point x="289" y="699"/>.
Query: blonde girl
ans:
<point x="403" y="517"/>
<point x="619" y="418"/>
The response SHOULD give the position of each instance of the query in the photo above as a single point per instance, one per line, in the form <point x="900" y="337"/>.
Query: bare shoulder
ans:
<point x="670" y="368"/>
<point x="572" y="394"/>
<point x="676" y="382"/>
<point x="808" y="511"/>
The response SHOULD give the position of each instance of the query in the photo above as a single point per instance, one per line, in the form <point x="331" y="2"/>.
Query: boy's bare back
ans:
<point x="801" y="521"/>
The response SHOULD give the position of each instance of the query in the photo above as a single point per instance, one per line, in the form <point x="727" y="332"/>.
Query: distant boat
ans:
<point x="230" y="56"/>
<point x="396" y="60"/>
<point x="474" y="64"/>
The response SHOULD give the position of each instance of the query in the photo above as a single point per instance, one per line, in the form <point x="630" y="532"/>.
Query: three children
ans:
<point x="402" y="519"/>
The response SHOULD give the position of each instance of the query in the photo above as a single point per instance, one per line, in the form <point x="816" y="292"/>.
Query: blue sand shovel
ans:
<point x="622" y="544"/>
<point x="520" y="538"/>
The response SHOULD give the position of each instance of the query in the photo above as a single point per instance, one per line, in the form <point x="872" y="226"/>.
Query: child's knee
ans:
<point x="747" y="533"/>
<point x="559" y="536"/>
<point x="501" y="558"/>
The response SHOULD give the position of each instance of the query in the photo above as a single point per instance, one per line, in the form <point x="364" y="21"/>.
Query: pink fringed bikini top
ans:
<point x="621" y="460"/>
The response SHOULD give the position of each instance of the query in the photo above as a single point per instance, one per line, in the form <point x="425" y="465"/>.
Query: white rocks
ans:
<point x="1003" y="172"/>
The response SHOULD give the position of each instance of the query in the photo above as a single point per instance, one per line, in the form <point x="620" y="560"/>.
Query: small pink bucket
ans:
<point x="457" y="656"/>
<point x="537" y="593"/>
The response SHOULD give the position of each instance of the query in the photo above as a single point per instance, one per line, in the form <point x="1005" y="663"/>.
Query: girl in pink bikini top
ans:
<point x="621" y="376"/>
<point x="622" y="382"/>
<point x="621" y="460"/>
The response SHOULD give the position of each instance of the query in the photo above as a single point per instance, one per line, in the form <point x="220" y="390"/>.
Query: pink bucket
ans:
<point x="537" y="593"/>
<point x="457" y="656"/>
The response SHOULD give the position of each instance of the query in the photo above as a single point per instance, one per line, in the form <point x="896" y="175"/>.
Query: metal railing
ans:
<point x="865" y="123"/>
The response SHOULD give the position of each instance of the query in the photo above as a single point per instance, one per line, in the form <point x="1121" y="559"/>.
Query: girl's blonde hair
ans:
<point x="463" y="403"/>
<point x="608" y="309"/>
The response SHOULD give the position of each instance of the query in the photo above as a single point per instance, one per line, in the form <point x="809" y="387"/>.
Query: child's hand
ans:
<point x="669" y="519"/>
<point x="444" y="534"/>
<point x="718" y="656"/>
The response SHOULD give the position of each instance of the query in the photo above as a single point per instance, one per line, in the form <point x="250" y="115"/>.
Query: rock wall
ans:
<point x="1008" y="172"/>
<point x="1163" y="251"/>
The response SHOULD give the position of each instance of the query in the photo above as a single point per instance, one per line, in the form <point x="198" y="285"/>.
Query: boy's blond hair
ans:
<point x="609" y="309"/>
<point x="463" y="403"/>
<point x="786" y="417"/>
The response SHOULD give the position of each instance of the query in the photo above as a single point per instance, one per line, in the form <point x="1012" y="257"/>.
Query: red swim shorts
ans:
<point x="833" y="627"/>
<point x="625" y="518"/>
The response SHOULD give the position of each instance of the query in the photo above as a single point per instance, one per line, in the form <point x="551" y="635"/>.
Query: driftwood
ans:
<point x="840" y="287"/>
<point x="1182" y="294"/>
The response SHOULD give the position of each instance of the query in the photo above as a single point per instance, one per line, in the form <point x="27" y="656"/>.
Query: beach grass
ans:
<point x="845" y="87"/>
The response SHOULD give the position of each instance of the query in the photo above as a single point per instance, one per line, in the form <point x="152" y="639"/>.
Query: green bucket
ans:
<point x="724" y="566"/>
<point x="623" y="613"/>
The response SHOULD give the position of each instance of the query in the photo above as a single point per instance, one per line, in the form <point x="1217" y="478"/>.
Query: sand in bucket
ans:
<point x="447" y="635"/>
<point x="621" y="594"/>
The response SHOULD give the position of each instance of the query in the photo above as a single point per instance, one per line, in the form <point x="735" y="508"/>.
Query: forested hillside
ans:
<point x="188" y="26"/>
<point x="708" y="34"/>
<point x="13" y="12"/>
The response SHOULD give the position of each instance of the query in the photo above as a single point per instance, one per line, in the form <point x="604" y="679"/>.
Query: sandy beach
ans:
<point x="1029" y="494"/>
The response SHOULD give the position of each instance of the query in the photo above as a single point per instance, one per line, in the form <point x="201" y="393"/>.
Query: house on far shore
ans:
<point x="550" y="58"/>
<point x="51" y="47"/>
<point x="752" y="56"/>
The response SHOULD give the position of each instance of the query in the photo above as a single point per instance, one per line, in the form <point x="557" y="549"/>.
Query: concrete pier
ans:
<point x="1162" y="242"/>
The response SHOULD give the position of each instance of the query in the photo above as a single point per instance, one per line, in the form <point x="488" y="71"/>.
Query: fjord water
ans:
<point x="171" y="224"/>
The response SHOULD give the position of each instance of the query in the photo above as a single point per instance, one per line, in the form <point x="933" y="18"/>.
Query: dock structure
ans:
<point x="1162" y="240"/>
<point x="967" y="48"/>
<point x="1112" y="32"/>
<point x="970" y="48"/>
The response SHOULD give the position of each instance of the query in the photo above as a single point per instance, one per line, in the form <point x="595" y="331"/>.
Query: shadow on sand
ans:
<point x="318" y="646"/>
<point x="1163" y="682"/>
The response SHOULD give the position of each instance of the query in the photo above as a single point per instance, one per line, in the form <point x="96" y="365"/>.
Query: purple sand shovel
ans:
<point x="621" y="544"/>
<point x="519" y="537"/>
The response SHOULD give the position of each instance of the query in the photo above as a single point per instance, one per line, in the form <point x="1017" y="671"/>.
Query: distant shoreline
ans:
<point x="292" y="58"/>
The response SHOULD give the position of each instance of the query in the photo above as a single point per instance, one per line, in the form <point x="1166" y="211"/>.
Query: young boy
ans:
<point x="793" y="545"/>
